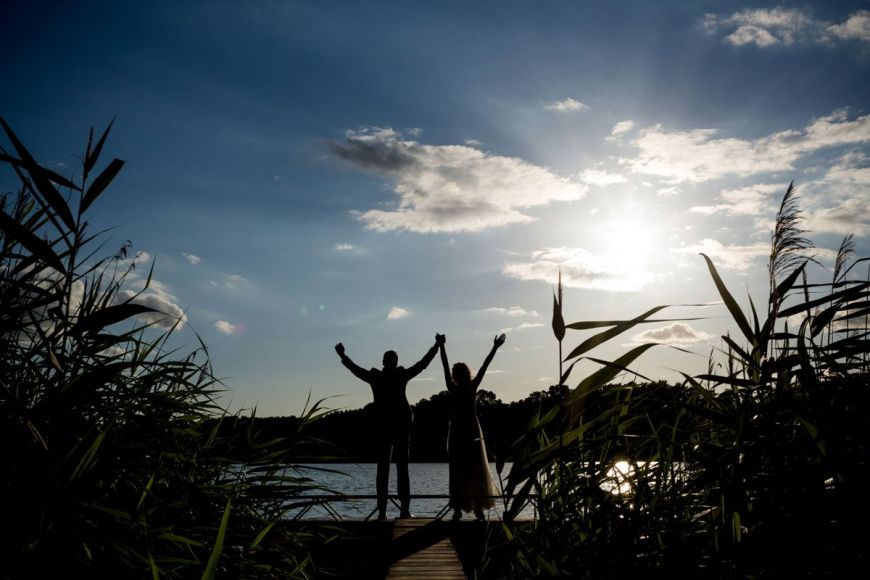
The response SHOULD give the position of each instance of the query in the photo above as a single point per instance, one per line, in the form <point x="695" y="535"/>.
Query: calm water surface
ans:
<point x="359" y="479"/>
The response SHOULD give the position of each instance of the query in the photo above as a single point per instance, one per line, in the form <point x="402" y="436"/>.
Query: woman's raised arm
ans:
<point x="496" y="343"/>
<point x="448" y="380"/>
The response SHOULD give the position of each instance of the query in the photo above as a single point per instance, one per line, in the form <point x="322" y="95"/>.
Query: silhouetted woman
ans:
<point x="471" y="483"/>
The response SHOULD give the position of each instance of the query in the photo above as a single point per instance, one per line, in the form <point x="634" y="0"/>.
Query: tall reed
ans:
<point x="755" y="468"/>
<point x="119" y="461"/>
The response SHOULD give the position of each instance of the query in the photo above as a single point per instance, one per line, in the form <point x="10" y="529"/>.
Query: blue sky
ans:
<point x="305" y="173"/>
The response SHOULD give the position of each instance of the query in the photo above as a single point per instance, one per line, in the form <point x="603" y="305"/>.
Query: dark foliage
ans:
<point x="113" y="465"/>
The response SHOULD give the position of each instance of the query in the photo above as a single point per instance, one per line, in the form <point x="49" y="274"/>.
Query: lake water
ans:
<point x="359" y="479"/>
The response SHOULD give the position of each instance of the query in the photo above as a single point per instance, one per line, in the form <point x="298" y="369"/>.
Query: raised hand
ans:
<point x="498" y="340"/>
<point x="339" y="348"/>
<point x="440" y="339"/>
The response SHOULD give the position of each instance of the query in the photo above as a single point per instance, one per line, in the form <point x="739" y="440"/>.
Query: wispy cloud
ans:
<point x="347" y="249"/>
<point x="735" y="257"/>
<point x="601" y="178"/>
<point x="397" y="312"/>
<point x="852" y="216"/>
<point x="620" y="129"/>
<point x="192" y="259"/>
<point x="580" y="269"/>
<point x="752" y="200"/>
<point x="567" y="105"/>
<point x="841" y="201"/>
<point x="761" y="27"/>
<point x="523" y="326"/>
<point x="511" y="311"/>
<point x="225" y="327"/>
<point x="766" y="28"/>
<point x="232" y="282"/>
<point x="450" y="188"/>
<point x="700" y="155"/>
<point x="678" y="333"/>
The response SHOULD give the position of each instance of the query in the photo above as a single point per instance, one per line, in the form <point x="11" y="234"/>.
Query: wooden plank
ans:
<point x="421" y="548"/>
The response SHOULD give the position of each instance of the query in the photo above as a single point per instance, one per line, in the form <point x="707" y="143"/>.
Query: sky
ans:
<point x="308" y="173"/>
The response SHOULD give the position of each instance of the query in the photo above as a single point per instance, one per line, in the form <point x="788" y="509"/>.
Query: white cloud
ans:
<point x="841" y="200"/>
<point x="450" y="188"/>
<point x="511" y="311"/>
<point x="621" y="129"/>
<point x="752" y="200"/>
<point x="600" y="177"/>
<point x="567" y="105"/>
<point x="397" y="312"/>
<point x="234" y="281"/>
<point x="667" y="191"/>
<point x="225" y="327"/>
<point x="734" y="257"/>
<point x="473" y="143"/>
<point x="192" y="259"/>
<point x="856" y="27"/>
<point x="785" y="26"/>
<point x="348" y="249"/>
<point x="523" y="326"/>
<point x="158" y="297"/>
<point x="678" y="333"/>
<point x="134" y="262"/>
<point x="852" y="216"/>
<point x="852" y="169"/>
<point x="580" y="269"/>
<point x="857" y="323"/>
<point x="700" y="155"/>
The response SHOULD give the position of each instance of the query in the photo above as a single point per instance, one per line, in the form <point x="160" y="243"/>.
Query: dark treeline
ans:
<point x="348" y="435"/>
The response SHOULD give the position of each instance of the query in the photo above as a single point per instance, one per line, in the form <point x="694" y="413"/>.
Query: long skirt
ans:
<point x="470" y="480"/>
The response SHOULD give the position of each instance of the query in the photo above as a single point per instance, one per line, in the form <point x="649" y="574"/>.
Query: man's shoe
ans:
<point x="405" y="516"/>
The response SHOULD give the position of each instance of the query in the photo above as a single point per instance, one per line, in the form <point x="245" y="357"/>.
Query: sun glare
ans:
<point x="628" y="242"/>
<point x="618" y="479"/>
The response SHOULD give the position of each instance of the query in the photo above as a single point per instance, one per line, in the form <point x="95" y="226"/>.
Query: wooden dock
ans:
<point x="415" y="548"/>
<point x="422" y="549"/>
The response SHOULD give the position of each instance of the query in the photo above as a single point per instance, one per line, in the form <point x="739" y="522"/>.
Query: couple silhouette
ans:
<point x="470" y="483"/>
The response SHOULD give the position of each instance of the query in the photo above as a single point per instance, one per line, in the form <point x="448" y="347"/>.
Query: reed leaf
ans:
<point x="100" y="184"/>
<point x="731" y="304"/>
<point x="216" y="550"/>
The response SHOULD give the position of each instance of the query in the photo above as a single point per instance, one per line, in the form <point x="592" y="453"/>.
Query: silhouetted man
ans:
<point x="392" y="419"/>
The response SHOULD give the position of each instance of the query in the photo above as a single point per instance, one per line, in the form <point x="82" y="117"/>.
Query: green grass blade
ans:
<point x="38" y="247"/>
<point x="101" y="183"/>
<point x="216" y="550"/>
<point x="730" y="303"/>
<point x="618" y="329"/>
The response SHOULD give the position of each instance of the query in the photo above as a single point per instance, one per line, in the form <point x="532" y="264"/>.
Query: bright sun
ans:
<point x="628" y="242"/>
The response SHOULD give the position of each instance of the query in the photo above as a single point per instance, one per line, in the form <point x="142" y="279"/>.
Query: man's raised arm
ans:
<point x="357" y="370"/>
<point x="427" y="358"/>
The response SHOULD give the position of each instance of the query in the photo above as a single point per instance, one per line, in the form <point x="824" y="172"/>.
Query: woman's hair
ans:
<point x="461" y="373"/>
